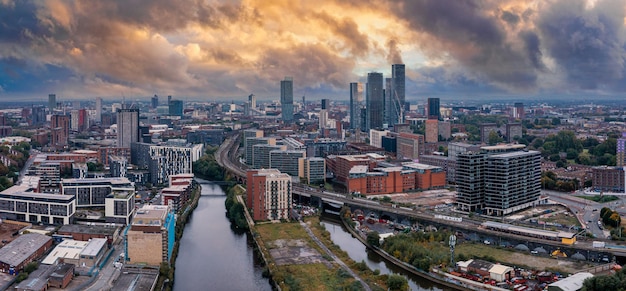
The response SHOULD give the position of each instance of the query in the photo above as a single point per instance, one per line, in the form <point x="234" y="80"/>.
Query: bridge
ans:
<point x="225" y="154"/>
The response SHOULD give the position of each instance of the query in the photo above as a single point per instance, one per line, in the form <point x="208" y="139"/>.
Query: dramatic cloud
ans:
<point x="210" y="48"/>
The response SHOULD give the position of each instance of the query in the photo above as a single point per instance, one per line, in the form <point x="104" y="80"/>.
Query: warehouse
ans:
<point x="23" y="250"/>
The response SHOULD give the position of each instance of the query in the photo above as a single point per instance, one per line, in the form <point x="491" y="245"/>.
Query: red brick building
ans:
<point x="407" y="177"/>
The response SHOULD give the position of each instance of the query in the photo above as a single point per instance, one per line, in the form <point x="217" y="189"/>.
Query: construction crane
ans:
<point x="399" y="106"/>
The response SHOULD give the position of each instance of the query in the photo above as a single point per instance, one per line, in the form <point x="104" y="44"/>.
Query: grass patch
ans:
<point x="562" y="219"/>
<point x="287" y="230"/>
<point x="600" y="198"/>
<point x="313" y="277"/>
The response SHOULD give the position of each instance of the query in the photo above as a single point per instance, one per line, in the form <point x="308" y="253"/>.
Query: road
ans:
<point x="109" y="273"/>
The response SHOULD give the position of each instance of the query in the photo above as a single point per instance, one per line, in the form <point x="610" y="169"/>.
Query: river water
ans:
<point x="357" y="252"/>
<point x="214" y="256"/>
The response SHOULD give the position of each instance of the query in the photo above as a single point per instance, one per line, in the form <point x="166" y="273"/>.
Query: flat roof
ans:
<point x="358" y="169"/>
<point x="20" y="249"/>
<point x="116" y="180"/>
<point x="88" y="229"/>
<point x="94" y="246"/>
<point x="38" y="196"/>
<point x="151" y="215"/>
<point x="503" y="147"/>
<point x="420" y="166"/>
<point x="67" y="249"/>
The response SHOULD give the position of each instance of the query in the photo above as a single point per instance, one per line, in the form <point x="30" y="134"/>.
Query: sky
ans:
<point x="196" y="49"/>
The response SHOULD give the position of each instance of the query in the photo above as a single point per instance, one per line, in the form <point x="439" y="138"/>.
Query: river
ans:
<point x="214" y="256"/>
<point x="357" y="252"/>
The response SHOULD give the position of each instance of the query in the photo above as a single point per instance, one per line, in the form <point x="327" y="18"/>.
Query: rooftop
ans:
<point x="94" y="246"/>
<point x="88" y="229"/>
<point x="22" y="248"/>
<point x="67" y="249"/>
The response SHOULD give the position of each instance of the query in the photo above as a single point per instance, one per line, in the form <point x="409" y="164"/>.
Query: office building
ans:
<point x="397" y="94"/>
<point x="620" y="151"/>
<point x="268" y="194"/>
<point x="470" y="182"/>
<point x="37" y="207"/>
<point x="286" y="99"/>
<point x="325" y="104"/>
<point x="119" y="206"/>
<point x="432" y="131"/>
<point x="389" y="102"/>
<point x="150" y="239"/>
<point x="356" y="104"/>
<point x="52" y="102"/>
<point x="154" y="101"/>
<point x="93" y="192"/>
<point x="127" y="127"/>
<point x="38" y="115"/>
<point x="409" y="145"/>
<point x="176" y="108"/>
<point x="286" y="161"/>
<point x="98" y="118"/>
<point x="250" y="142"/>
<point x="261" y="155"/>
<point x="59" y="131"/>
<point x="433" y="108"/>
<point x="376" y="137"/>
<point x="312" y="169"/>
<point x="213" y="137"/>
<point x="374" y="101"/>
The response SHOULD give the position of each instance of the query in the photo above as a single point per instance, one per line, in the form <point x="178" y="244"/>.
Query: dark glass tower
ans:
<point x="433" y="108"/>
<point x="374" y="101"/>
<point x="286" y="98"/>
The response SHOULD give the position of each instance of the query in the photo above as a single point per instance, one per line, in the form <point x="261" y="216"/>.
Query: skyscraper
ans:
<point x="433" y="108"/>
<point x="325" y="104"/>
<point x="98" y="109"/>
<point x="356" y="102"/>
<point x="286" y="98"/>
<point x="252" y="100"/>
<point x="154" y="102"/>
<point x="374" y="101"/>
<point x="127" y="127"/>
<point x="388" y="99"/>
<point x="397" y="94"/>
<point x="52" y="102"/>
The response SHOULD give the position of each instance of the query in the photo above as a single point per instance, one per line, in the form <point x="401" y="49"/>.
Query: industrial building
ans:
<point x="24" y="249"/>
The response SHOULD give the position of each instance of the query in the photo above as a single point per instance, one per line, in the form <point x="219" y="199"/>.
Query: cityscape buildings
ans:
<point x="268" y="194"/>
<point x="286" y="99"/>
<point x="356" y="104"/>
<point x="433" y="108"/>
<point x="397" y="95"/>
<point x="374" y="100"/>
<point x="127" y="127"/>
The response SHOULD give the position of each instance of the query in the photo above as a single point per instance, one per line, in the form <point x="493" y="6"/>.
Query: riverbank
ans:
<point x="409" y="268"/>
<point x="167" y="269"/>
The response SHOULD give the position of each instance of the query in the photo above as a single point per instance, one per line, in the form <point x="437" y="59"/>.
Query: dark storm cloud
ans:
<point x="510" y="17"/>
<point x="533" y="48"/>
<point x="473" y="36"/>
<point x="347" y="29"/>
<point x="17" y="20"/>
<point x="588" y="44"/>
<point x="394" y="55"/>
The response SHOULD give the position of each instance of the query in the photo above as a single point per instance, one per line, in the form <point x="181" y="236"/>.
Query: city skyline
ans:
<point x="219" y="50"/>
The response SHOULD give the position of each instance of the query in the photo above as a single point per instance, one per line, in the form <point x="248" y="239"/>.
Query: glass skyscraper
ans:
<point x="374" y="101"/>
<point x="286" y="98"/>
<point x="397" y="95"/>
<point x="356" y="102"/>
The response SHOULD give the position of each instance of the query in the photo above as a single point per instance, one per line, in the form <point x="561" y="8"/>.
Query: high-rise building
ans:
<point x="252" y="100"/>
<point x="518" y="110"/>
<point x="286" y="98"/>
<point x="261" y="155"/>
<point x="154" y="102"/>
<point x="312" y="169"/>
<point x="269" y="194"/>
<point x="497" y="180"/>
<point x="52" y="102"/>
<point x="323" y="119"/>
<point x="374" y="101"/>
<point x="388" y="101"/>
<point x="433" y="108"/>
<point x="325" y="104"/>
<point x="176" y="108"/>
<point x="356" y="103"/>
<point x="38" y="115"/>
<point x="397" y="94"/>
<point x="60" y="130"/>
<point x="127" y="127"/>
<point x="286" y="161"/>
<point x="98" y="109"/>
<point x="620" y="151"/>
<point x="151" y="237"/>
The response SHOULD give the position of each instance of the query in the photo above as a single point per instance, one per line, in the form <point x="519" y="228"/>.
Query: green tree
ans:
<point x="30" y="267"/>
<point x="397" y="282"/>
<point x="373" y="238"/>
<point x="494" y="138"/>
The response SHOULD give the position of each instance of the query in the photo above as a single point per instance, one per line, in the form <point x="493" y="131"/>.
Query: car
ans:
<point x="534" y="252"/>
<point x="594" y="210"/>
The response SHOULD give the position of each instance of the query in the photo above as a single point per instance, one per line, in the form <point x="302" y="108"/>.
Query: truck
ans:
<point x="598" y="244"/>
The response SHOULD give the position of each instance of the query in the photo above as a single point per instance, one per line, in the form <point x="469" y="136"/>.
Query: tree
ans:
<point x="494" y="138"/>
<point x="373" y="238"/>
<point x="397" y="282"/>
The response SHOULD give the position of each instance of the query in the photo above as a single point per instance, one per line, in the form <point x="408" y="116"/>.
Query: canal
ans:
<point x="213" y="255"/>
<point x="357" y="252"/>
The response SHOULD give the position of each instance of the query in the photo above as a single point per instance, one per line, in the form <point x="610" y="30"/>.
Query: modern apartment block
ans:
<point x="119" y="206"/>
<point x="286" y="99"/>
<point x="608" y="179"/>
<point x="497" y="180"/>
<point x="150" y="239"/>
<point x="164" y="160"/>
<point x="93" y="192"/>
<point x="312" y="169"/>
<point x="356" y="104"/>
<point x="268" y="194"/>
<point x="286" y="161"/>
<point x="127" y="127"/>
